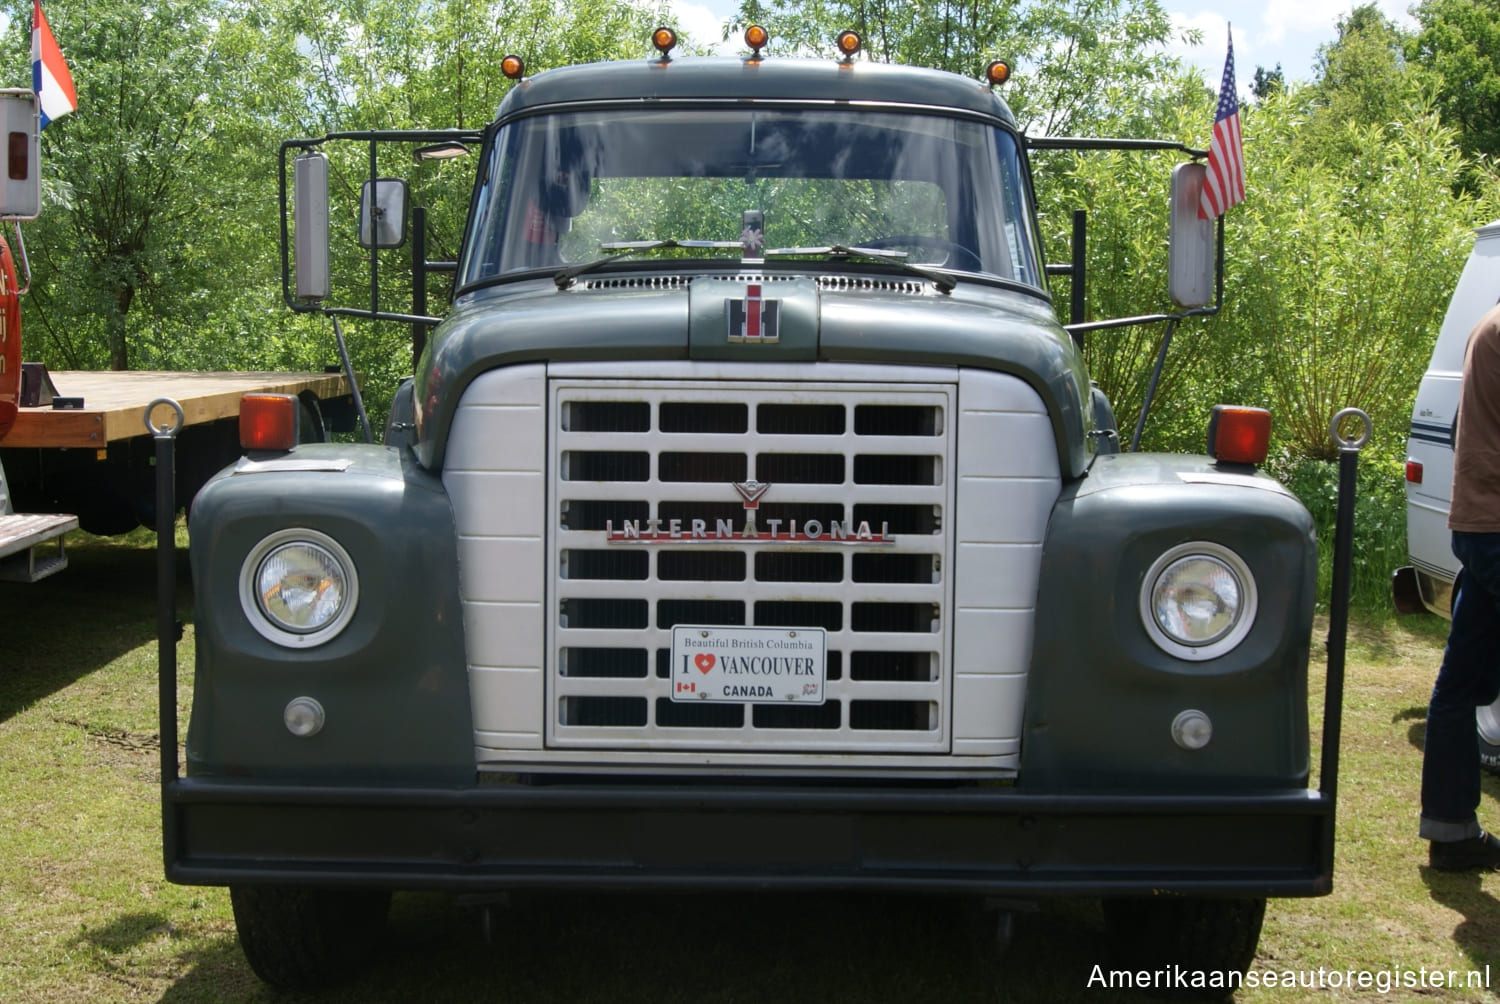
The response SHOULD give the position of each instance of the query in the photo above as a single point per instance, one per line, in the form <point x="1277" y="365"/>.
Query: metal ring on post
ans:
<point x="1350" y="444"/>
<point x="169" y="431"/>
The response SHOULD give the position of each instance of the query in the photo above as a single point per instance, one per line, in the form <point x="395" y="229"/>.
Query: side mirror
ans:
<point x="21" y="184"/>
<point x="310" y="225"/>
<point x="1191" y="260"/>
<point x="382" y="213"/>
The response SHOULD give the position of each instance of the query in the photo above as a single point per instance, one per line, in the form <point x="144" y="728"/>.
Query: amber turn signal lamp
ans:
<point x="756" y="38"/>
<point x="998" y="72"/>
<point x="268" y="421"/>
<point x="848" y="43"/>
<point x="1238" y="435"/>
<point x="513" y="67"/>
<point x="665" y="39"/>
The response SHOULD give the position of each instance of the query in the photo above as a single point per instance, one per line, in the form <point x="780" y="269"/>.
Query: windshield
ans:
<point x="943" y="192"/>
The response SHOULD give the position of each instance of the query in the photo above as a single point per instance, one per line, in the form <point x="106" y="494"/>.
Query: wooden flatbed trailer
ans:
<point x="114" y="403"/>
<point x="94" y="462"/>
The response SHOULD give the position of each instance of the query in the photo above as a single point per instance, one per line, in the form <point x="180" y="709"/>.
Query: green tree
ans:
<point x="1268" y="82"/>
<point x="1067" y="54"/>
<point x="1459" y="43"/>
<point x="1361" y="78"/>
<point x="149" y="192"/>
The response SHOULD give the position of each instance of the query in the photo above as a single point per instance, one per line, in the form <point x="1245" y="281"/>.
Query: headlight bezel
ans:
<point x="1227" y="640"/>
<point x="263" y="621"/>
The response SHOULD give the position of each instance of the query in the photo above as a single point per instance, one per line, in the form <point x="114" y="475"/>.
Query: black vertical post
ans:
<point x="374" y="244"/>
<point x="166" y="611"/>
<point x="1077" y="305"/>
<point x="1338" y="619"/>
<point x="418" y="283"/>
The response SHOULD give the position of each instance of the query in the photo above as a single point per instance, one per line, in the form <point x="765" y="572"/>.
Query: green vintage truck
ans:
<point x="750" y="523"/>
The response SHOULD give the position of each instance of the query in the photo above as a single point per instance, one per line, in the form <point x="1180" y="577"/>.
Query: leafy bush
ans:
<point x="1379" y="543"/>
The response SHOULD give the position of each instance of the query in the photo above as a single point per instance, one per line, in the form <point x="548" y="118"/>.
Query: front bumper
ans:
<point x="985" y="840"/>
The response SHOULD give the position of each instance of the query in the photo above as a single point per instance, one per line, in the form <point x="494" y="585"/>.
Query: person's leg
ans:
<point x="1469" y="678"/>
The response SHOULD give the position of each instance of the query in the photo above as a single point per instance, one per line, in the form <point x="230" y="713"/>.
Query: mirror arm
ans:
<point x="1128" y="322"/>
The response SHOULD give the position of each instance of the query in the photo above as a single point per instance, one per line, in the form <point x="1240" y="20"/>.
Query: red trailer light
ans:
<point x="1414" y="472"/>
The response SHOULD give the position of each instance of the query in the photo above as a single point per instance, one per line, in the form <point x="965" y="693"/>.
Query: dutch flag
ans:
<point x="55" y="96"/>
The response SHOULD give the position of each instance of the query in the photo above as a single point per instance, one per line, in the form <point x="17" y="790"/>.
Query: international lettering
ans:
<point x="778" y="531"/>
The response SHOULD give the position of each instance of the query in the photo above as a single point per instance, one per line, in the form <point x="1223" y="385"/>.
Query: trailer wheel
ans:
<point x="304" y="939"/>
<point x="1198" y="935"/>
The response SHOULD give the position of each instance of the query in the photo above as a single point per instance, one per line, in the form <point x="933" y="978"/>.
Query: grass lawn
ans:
<point x="85" y="914"/>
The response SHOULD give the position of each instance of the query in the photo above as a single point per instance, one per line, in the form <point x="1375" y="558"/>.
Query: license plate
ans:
<point x="741" y="665"/>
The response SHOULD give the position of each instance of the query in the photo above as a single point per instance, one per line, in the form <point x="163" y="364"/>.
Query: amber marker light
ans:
<point x="848" y="43"/>
<point x="756" y="38"/>
<point x="513" y="67"/>
<point x="268" y="421"/>
<point x="997" y="73"/>
<point x="665" y="40"/>
<point x="1238" y="435"/>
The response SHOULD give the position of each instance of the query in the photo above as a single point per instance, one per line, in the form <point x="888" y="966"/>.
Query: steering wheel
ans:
<point x="958" y="255"/>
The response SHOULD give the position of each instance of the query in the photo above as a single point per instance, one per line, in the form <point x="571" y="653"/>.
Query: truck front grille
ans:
<point x="598" y="506"/>
<point x="662" y="457"/>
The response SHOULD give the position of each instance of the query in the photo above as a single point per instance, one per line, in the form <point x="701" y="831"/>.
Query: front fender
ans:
<point x="394" y="683"/>
<point x="1103" y="696"/>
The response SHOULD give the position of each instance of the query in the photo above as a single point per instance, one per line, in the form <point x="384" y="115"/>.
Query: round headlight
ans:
<point x="1198" y="601"/>
<point x="298" y="588"/>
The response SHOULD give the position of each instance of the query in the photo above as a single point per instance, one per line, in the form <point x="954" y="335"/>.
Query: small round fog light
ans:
<point x="1192" y="730"/>
<point x="304" y="717"/>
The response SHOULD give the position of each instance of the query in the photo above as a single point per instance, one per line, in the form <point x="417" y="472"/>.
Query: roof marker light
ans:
<point x="665" y="40"/>
<point x="268" y="421"/>
<point x="756" y="38"/>
<point x="513" y="67"/>
<point x="1238" y="435"/>
<point x="997" y="73"/>
<point x="849" y="44"/>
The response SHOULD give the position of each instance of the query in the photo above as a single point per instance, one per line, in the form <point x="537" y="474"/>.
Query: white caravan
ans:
<point x="1428" y="582"/>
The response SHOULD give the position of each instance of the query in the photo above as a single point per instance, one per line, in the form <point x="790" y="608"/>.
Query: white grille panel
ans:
<point x="929" y="636"/>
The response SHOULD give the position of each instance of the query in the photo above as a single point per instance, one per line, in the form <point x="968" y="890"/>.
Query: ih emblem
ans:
<point x="753" y="319"/>
<point x="750" y="493"/>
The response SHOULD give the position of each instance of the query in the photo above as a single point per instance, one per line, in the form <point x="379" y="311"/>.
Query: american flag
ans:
<point x="1224" y="185"/>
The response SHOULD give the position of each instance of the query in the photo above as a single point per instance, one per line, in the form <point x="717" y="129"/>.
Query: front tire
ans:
<point x="1165" y="933"/>
<point x="305" y="939"/>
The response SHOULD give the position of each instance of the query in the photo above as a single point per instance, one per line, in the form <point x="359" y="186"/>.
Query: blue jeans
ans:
<point x="1469" y="679"/>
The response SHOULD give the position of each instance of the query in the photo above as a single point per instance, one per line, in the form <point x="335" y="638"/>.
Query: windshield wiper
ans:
<point x="624" y="249"/>
<point x="897" y="258"/>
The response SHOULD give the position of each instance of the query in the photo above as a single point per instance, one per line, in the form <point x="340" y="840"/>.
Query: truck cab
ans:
<point x="750" y="522"/>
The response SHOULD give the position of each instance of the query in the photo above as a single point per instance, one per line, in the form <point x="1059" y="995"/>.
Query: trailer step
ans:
<point x="25" y="554"/>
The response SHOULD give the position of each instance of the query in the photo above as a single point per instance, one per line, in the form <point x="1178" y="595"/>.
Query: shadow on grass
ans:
<point x="66" y="626"/>
<point x="1478" y="935"/>
<point x="666" y="949"/>
<point x="126" y="931"/>
<point x="1416" y="733"/>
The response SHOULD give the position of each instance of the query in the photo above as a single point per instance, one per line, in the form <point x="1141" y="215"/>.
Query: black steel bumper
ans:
<point x="994" y="841"/>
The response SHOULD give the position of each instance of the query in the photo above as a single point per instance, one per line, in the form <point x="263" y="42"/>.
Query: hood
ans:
<point x="755" y="318"/>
